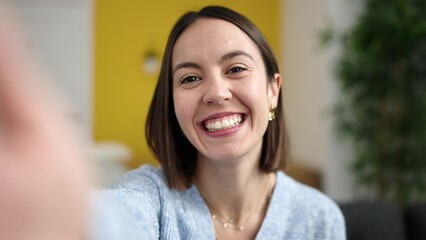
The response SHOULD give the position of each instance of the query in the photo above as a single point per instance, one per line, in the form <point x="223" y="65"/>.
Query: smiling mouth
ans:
<point x="214" y="125"/>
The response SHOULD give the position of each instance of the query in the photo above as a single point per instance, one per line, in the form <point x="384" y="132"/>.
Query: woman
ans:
<point x="216" y="125"/>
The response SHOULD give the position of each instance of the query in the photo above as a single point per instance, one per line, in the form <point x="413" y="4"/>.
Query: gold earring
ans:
<point x="271" y="115"/>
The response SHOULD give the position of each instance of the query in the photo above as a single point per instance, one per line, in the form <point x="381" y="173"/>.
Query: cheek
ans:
<point x="183" y="110"/>
<point x="256" y="91"/>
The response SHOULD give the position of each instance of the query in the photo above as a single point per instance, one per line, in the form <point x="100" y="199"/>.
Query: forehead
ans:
<point x="208" y="38"/>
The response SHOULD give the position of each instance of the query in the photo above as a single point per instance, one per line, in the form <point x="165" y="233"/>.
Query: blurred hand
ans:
<point x="43" y="181"/>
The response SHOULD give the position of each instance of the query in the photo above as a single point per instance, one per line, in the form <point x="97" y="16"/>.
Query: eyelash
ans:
<point x="185" y="79"/>
<point x="234" y="68"/>
<point x="192" y="78"/>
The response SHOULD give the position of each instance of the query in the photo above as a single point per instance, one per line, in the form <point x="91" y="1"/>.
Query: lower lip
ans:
<point x="224" y="132"/>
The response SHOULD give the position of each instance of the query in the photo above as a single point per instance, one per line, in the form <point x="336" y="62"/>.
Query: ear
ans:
<point x="274" y="87"/>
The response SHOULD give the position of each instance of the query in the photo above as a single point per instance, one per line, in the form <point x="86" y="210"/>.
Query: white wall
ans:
<point x="60" y="33"/>
<point x="310" y="90"/>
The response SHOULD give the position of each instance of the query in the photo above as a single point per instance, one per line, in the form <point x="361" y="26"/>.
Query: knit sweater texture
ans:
<point x="142" y="206"/>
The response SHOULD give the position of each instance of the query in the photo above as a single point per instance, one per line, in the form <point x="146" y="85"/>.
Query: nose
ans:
<point x="216" y="91"/>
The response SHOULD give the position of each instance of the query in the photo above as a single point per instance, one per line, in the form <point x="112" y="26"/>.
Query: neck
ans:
<point x="233" y="190"/>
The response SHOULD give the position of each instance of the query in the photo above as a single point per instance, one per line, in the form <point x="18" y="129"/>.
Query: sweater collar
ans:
<point x="272" y="225"/>
<point x="276" y="214"/>
<point x="200" y="213"/>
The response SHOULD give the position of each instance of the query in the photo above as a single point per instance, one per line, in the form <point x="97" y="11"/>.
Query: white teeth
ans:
<point x="217" y="124"/>
<point x="226" y="123"/>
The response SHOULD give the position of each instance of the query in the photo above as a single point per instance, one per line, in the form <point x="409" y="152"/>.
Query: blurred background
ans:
<point x="105" y="56"/>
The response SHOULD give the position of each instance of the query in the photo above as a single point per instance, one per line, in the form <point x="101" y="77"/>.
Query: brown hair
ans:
<point x="175" y="153"/>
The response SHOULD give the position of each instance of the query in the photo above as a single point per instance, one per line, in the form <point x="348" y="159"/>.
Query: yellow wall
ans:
<point x="124" y="32"/>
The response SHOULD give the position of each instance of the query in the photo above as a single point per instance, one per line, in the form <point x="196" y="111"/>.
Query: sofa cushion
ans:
<point x="415" y="221"/>
<point x="373" y="221"/>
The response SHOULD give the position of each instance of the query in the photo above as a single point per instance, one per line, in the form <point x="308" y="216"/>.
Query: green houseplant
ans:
<point x="382" y="109"/>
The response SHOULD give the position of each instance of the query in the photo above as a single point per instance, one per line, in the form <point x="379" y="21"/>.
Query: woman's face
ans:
<point x="220" y="90"/>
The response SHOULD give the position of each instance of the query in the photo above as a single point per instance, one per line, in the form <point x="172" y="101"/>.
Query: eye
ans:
<point x="189" y="79"/>
<point x="237" y="69"/>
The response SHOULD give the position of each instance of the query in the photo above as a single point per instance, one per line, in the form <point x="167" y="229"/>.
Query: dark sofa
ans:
<point x="374" y="220"/>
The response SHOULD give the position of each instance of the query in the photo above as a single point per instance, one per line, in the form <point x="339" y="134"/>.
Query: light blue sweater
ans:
<point x="141" y="206"/>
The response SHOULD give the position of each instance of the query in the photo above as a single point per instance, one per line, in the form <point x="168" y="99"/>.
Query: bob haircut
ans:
<point x="175" y="153"/>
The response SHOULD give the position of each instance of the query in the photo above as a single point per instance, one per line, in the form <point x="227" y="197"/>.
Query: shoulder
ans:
<point x="309" y="205"/>
<point x="142" y="177"/>
<point x="144" y="193"/>
<point x="142" y="184"/>
<point x="134" y="199"/>
<point x="304" y="195"/>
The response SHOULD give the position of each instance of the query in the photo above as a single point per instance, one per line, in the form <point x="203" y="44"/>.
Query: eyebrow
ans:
<point x="186" y="65"/>
<point x="225" y="57"/>
<point x="233" y="54"/>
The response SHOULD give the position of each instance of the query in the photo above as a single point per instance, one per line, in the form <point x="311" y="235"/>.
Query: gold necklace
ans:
<point x="230" y="223"/>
